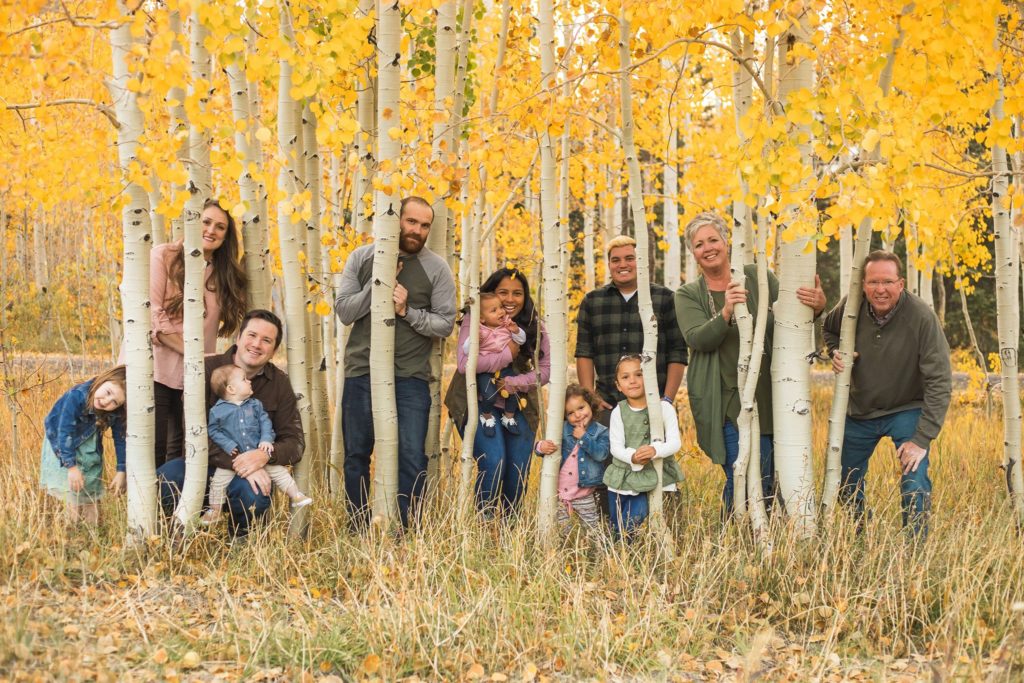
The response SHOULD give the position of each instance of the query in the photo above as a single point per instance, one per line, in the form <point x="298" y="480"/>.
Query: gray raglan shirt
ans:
<point x="430" y="311"/>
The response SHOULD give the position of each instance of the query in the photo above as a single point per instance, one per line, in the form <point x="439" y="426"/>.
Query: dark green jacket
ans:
<point x="704" y="332"/>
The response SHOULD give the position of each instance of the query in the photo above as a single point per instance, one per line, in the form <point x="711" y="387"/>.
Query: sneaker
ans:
<point x="510" y="424"/>
<point x="210" y="518"/>
<point x="488" y="424"/>
<point x="301" y="502"/>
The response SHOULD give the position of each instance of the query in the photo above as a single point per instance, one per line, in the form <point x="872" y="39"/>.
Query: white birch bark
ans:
<point x="1008" y="307"/>
<point x="589" y="226"/>
<point x="385" y="261"/>
<point x="365" y="141"/>
<point x="925" y="287"/>
<point x="254" y="223"/>
<point x="315" y="459"/>
<point x="200" y="187"/>
<point x="848" y="330"/>
<point x="295" y="291"/>
<point x="563" y="169"/>
<point x="177" y="127"/>
<point x="845" y="257"/>
<point x="40" y="268"/>
<point x="140" y="467"/>
<point x="554" y="286"/>
<point x="674" y="255"/>
<point x="791" y="377"/>
<point x="643" y="269"/>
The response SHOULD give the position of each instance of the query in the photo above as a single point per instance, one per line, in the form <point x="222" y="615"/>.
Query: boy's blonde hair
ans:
<point x="221" y="378"/>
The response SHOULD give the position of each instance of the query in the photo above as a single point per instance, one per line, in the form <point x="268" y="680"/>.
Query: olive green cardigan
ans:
<point x="704" y="331"/>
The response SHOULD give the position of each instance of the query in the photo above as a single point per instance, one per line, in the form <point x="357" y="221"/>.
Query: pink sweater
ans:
<point x="517" y="383"/>
<point x="169" y="365"/>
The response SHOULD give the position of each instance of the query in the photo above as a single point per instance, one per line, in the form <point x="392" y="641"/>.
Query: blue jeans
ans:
<point x="412" y="402"/>
<point x="503" y="466"/>
<point x="732" y="451"/>
<point x="859" y="443"/>
<point x="490" y="397"/>
<point x="626" y="513"/>
<point x="245" y="506"/>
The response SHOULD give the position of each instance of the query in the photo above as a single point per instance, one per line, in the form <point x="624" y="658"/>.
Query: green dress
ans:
<point x="53" y="477"/>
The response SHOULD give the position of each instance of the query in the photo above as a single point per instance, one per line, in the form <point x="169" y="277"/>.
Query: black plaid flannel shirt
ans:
<point x="609" y="327"/>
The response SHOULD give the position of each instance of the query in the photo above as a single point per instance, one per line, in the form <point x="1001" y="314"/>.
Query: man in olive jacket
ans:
<point x="900" y="386"/>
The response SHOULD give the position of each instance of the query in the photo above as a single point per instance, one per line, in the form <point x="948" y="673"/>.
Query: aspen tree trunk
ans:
<point x="443" y="155"/>
<point x="177" y="127"/>
<point x="1008" y="318"/>
<point x="254" y="222"/>
<point x="673" y="257"/>
<point x="140" y="467"/>
<point x="40" y="268"/>
<point x="925" y="288"/>
<point x="643" y="269"/>
<point x="385" y="261"/>
<point x="848" y="329"/>
<point x="318" y="332"/>
<point x="458" y="102"/>
<point x="589" y="226"/>
<point x="365" y="141"/>
<point x="295" y="293"/>
<point x="554" y="285"/>
<point x="845" y="257"/>
<point x="743" y="93"/>
<point x="470" y="275"/>
<point x="260" y="239"/>
<point x="791" y="377"/>
<point x="200" y="188"/>
<point x="563" y="171"/>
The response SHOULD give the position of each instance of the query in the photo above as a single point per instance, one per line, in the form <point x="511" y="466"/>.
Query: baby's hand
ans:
<point x="266" y="447"/>
<point x="546" y="447"/>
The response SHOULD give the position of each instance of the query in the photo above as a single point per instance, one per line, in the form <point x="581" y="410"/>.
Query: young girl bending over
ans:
<point x="72" y="457"/>
<point x="239" y="423"/>
<point x="496" y="331"/>
<point x="631" y="474"/>
<point x="584" y="453"/>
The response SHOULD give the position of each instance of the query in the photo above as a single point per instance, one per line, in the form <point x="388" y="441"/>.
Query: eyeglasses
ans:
<point x="881" y="284"/>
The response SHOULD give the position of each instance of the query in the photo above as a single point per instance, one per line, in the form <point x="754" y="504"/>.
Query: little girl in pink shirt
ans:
<point x="585" y="450"/>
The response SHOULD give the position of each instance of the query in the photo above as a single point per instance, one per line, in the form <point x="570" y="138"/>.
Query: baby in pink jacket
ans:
<point x="496" y="332"/>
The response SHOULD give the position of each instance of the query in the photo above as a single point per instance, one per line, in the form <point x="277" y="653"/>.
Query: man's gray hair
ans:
<point x="702" y="219"/>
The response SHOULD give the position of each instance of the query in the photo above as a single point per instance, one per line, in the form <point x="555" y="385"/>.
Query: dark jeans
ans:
<point x="169" y="419"/>
<point x="244" y="505"/>
<point x="859" y="443"/>
<point x="490" y="397"/>
<point x="732" y="451"/>
<point x="503" y="466"/>
<point x="627" y="513"/>
<point x="412" y="402"/>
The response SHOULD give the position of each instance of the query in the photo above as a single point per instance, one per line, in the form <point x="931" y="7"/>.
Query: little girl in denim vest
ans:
<point x="72" y="453"/>
<point x="584" y="453"/>
<point x="631" y="475"/>
<point x="239" y="423"/>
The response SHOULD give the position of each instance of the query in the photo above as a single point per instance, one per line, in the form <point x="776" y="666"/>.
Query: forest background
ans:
<point x="801" y="119"/>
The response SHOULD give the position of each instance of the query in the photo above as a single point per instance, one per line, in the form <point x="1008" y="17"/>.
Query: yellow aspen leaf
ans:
<point x="263" y="134"/>
<point x="238" y="210"/>
<point x="160" y="656"/>
<point x="870" y="140"/>
<point x="191" y="660"/>
<point x="394" y="132"/>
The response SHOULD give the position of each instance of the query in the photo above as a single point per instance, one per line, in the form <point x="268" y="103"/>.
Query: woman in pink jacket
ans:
<point x="224" y="299"/>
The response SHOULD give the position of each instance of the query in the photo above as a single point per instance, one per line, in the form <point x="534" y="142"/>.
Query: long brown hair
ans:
<point x="116" y="375"/>
<point x="228" y="280"/>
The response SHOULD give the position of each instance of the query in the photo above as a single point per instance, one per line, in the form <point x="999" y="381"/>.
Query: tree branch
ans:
<point x="102" y="108"/>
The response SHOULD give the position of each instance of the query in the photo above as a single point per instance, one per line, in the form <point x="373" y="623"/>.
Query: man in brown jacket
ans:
<point x="249" y="492"/>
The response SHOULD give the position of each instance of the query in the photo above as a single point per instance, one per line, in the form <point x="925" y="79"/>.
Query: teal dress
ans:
<point x="53" y="477"/>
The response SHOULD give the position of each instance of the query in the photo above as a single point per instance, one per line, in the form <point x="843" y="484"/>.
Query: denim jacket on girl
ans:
<point x="594" y="452"/>
<point x="70" y="422"/>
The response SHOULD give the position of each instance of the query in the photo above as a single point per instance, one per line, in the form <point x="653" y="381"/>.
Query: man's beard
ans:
<point x="409" y="244"/>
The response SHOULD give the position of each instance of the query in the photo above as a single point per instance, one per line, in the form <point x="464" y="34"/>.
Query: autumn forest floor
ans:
<point x="465" y="599"/>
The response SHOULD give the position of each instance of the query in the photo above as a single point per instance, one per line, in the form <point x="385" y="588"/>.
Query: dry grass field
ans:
<point x="475" y="600"/>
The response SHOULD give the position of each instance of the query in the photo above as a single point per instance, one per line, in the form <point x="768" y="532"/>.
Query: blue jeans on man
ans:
<point x="859" y="442"/>
<point x="245" y="506"/>
<point x="412" y="402"/>
<point x="732" y="450"/>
